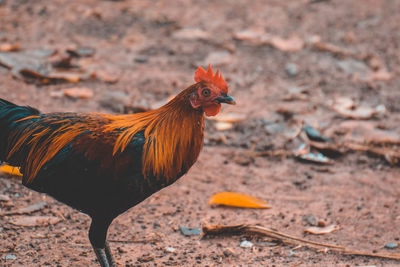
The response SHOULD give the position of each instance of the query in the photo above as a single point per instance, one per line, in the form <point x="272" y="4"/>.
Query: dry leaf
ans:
<point x="34" y="220"/>
<point x="4" y="198"/>
<point x="238" y="200"/>
<point x="315" y="230"/>
<point x="381" y="75"/>
<point x="223" y="126"/>
<point x="79" y="92"/>
<point x="190" y="34"/>
<point x="7" y="169"/>
<point x="327" y="47"/>
<point x="228" y="117"/>
<point x="347" y="108"/>
<point x="37" y="66"/>
<point x="28" y="209"/>
<point x="254" y="36"/>
<point x="107" y="76"/>
<point x="293" y="44"/>
<point x="56" y="94"/>
<point x="367" y="132"/>
<point x="9" y="47"/>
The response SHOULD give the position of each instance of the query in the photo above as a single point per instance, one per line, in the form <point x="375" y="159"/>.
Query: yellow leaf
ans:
<point x="7" y="169"/>
<point x="238" y="200"/>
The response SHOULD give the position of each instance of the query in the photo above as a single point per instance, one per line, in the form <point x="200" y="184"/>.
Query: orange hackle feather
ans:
<point x="208" y="76"/>
<point x="173" y="133"/>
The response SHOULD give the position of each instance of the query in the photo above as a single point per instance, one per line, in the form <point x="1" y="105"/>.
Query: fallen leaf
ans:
<point x="107" y="76"/>
<point x="259" y="37"/>
<point x="9" y="47"/>
<point x="381" y="75"/>
<point x="34" y="220"/>
<point x="190" y="34"/>
<point x="7" y="169"/>
<point x="326" y="47"/>
<point x="36" y="66"/>
<point x="79" y="92"/>
<point x="348" y="109"/>
<point x="56" y="94"/>
<point x="251" y="35"/>
<point x="223" y="126"/>
<point x="228" y="117"/>
<point x="4" y="198"/>
<point x="238" y="200"/>
<point x="315" y="230"/>
<point x="367" y="132"/>
<point x="292" y="44"/>
<point x="28" y="209"/>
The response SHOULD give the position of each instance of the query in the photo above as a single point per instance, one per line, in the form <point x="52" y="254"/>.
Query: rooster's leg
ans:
<point x="101" y="257"/>
<point x="97" y="236"/>
<point x="109" y="255"/>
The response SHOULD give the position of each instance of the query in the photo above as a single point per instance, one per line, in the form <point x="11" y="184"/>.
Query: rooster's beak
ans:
<point x="226" y="99"/>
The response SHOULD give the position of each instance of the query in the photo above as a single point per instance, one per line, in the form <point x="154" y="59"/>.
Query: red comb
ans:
<point x="208" y="76"/>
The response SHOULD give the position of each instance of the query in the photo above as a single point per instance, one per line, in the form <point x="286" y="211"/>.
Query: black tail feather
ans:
<point x="9" y="115"/>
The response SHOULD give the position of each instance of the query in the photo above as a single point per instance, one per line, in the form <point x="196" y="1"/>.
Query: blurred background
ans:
<point x="316" y="131"/>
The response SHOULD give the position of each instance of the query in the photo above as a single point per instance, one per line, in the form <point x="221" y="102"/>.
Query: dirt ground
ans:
<point x="286" y="62"/>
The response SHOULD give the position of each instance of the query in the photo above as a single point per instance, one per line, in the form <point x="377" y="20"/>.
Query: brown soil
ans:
<point x="143" y="45"/>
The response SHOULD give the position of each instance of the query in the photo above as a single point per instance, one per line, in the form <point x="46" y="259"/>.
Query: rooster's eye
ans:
<point x="206" y="92"/>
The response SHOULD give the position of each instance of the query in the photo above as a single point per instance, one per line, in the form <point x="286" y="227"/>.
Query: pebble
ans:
<point x="188" y="231"/>
<point x="246" y="244"/>
<point x="115" y="100"/>
<point x="228" y="252"/>
<point x="291" y="69"/>
<point x="141" y="59"/>
<point x="9" y="257"/>
<point x="391" y="245"/>
<point x="170" y="249"/>
<point x="310" y="219"/>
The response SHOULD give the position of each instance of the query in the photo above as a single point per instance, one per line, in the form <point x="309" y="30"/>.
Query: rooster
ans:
<point x="102" y="164"/>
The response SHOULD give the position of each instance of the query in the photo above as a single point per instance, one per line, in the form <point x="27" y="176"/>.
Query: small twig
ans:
<point x="288" y="239"/>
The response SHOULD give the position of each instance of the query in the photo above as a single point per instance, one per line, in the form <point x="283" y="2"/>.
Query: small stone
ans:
<point x="56" y="94"/>
<point x="246" y="244"/>
<point x="310" y="219"/>
<point x="228" y="252"/>
<point x="189" y="231"/>
<point x="170" y="249"/>
<point x="141" y="59"/>
<point x="391" y="245"/>
<point x="115" y="100"/>
<point x="9" y="257"/>
<point x="291" y="69"/>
